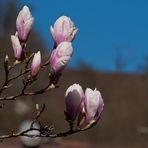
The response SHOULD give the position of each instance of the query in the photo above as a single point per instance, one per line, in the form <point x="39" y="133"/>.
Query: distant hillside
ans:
<point x="125" y="113"/>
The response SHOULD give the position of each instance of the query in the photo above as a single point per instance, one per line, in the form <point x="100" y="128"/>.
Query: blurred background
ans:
<point x="110" y="53"/>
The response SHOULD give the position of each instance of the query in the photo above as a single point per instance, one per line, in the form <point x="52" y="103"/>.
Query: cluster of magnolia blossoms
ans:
<point x="85" y="107"/>
<point x="63" y="33"/>
<point x="24" y="24"/>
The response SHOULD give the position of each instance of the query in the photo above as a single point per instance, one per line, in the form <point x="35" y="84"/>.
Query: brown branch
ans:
<point x="41" y="133"/>
<point x="8" y="80"/>
<point x="6" y="74"/>
<point x="47" y="88"/>
<point x="19" y="75"/>
<point x="39" y="113"/>
<point x="26" y="71"/>
<point x="44" y="131"/>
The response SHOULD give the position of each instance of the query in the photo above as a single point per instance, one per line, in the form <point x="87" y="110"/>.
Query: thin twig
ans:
<point x="44" y="131"/>
<point x="25" y="133"/>
<point x="47" y="88"/>
<point x="6" y="74"/>
<point x="8" y="80"/>
<point x="39" y="113"/>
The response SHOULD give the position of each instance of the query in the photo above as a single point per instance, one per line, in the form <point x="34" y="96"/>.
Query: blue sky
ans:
<point x="104" y="25"/>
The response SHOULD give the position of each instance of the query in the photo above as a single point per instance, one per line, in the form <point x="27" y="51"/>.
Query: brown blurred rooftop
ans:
<point x="126" y="107"/>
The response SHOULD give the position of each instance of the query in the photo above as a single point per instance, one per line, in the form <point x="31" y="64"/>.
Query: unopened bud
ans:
<point x="73" y="101"/>
<point x="63" y="30"/>
<point x="36" y="64"/>
<point x="6" y="59"/>
<point x="60" y="57"/>
<point x="37" y="106"/>
<point x="24" y="24"/>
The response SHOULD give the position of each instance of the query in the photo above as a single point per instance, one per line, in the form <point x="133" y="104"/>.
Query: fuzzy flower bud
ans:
<point x="17" y="48"/>
<point x="93" y="103"/>
<point x="6" y="59"/>
<point x="73" y="100"/>
<point x="24" y="23"/>
<point x="63" y="30"/>
<point x="36" y="64"/>
<point x="60" y="57"/>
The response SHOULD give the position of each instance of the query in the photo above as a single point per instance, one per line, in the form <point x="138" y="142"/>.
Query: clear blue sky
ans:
<point x="103" y="26"/>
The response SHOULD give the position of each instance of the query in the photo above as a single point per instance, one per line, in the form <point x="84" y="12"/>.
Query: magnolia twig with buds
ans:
<point x="82" y="109"/>
<point x="44" y="131"/>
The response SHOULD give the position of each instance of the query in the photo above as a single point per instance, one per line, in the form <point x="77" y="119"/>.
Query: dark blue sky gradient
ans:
<point x="103" y="26"/>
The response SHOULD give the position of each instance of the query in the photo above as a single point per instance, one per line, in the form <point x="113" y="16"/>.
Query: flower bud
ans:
<point x="6" y="59"/>
<point x="24" y="23"/>
<point x="17" y="48"/>
<point x="36" y="64"/>
<point x="60" y="57"/>
<point x="93" y="104"/>
<point x="73" y="100"/>
<point x="63" y="30"/>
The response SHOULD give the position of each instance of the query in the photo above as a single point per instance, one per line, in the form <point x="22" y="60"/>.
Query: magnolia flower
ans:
<point x="63" y="30"/>
<point x="36" y="64"/>
<point x="93" y="105"/>
<point x="73" y="100"/>
<point x="24" y="23"/>
<point x="17" y="48"/>
<point x="60" y="57"/>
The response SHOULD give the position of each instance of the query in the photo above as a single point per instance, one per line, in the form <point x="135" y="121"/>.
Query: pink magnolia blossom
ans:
<point x="17" y="48"/>
<point x="24" y="23"/>
<point x="93" y="105"/>
<point x="60" y="57"/>
<point x="63" y="30"/>
<point x="36" y="64"/>
<point x="73" y="100"/>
